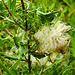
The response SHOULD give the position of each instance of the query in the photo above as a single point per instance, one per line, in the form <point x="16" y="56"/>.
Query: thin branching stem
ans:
<point x="26" y="29"/>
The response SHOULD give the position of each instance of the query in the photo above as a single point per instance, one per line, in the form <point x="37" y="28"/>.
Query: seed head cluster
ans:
<point x="53" y="38"/>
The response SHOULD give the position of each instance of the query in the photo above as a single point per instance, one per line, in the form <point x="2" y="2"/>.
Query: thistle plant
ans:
<point x="31" y="38"/>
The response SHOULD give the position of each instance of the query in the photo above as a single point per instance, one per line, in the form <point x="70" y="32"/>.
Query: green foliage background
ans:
<point x="14" y="38"/>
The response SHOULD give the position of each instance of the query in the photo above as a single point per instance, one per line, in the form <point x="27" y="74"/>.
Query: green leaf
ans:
<point x="72" y="21"/>
<point x="73" y="46"/>
<point x="1" y="42"/>
<point x="52" y="6"/>
<point x="73" y="52"/>
<point x="48" y="67"/>
<point x="68" y="71"/>
<point x="53" y="64"/>
<point x="5" y="68"/>
<point x="67" y="3"/>
<point x="21" y="51"/>
<point x="1" y="7"/>
<point x="13" y="7"/>
<point x="62" y="13"/>
<point x="46" y="17"/>
<point x="18" y="39"/>
<point x="9" y="3"/>
<point x="7" y="19"/>
<point x="10" y="57"/>
<point x="72" y="63"/>
<point x="38" y="55"/>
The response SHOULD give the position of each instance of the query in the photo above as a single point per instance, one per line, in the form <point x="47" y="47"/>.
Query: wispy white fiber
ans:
<point x="53" y="38"/>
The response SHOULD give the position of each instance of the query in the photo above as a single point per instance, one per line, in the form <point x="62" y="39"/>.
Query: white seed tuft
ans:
<point x="53" y="39"/>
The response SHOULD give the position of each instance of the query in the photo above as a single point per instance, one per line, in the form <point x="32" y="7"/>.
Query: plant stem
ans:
<point x="25" y="24"/>
<point x="26" y="29"/>
<point x="29" y="62"/>
<point x="23" y="5"/>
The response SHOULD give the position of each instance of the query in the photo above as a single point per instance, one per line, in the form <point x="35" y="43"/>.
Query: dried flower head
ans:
<point x="53" y="39"/>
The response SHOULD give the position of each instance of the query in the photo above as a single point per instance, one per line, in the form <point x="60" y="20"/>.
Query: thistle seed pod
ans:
<point x="53" y="39"/>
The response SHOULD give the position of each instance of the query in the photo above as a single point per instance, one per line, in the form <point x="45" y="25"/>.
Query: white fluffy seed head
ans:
<point x="53" y="39"/>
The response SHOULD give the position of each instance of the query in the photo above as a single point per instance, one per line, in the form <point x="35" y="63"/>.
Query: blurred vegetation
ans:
<point x="17" y="28"/>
